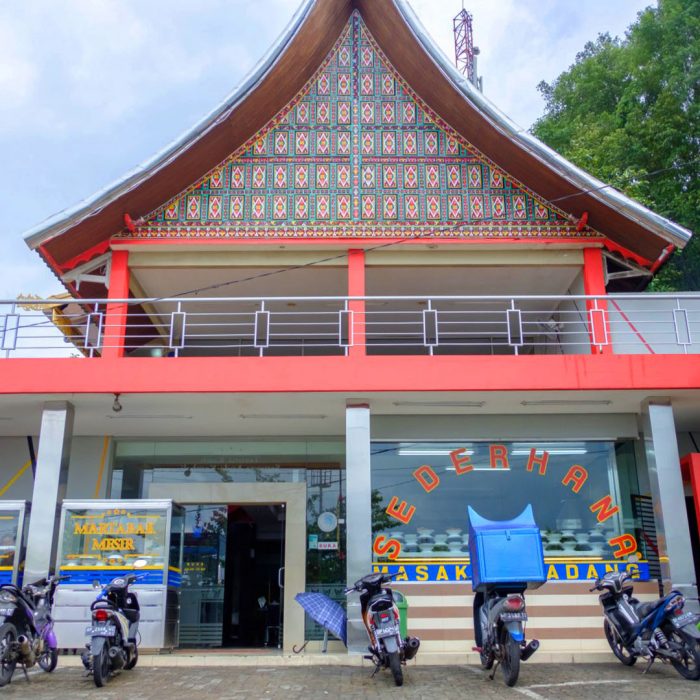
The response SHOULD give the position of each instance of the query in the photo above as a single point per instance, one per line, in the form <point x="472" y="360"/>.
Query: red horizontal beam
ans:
<point x="355" y="242"/>
<point x="349" y="374"/>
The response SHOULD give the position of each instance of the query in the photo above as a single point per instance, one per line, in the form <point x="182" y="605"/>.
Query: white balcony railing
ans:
<point x="387" y="325"/>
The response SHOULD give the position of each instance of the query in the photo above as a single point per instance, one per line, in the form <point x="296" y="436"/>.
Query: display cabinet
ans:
<point x="13" y="516"/>
<point x="100" y="540"/>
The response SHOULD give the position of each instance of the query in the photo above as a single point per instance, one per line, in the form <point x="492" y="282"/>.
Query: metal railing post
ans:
<point x="261" y="330"/>
<point x="514" y="323"/>
<point x="430" y="327"/>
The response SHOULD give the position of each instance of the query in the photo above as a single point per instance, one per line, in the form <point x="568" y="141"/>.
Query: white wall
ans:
<point x="83" y="469"/>
<point x="514" y="427"/>
<point x="14" y="454"/>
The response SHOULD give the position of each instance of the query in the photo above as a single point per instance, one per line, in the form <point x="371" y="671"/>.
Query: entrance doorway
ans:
<point x="232" y="585"/>
<point x="222" y="573"/>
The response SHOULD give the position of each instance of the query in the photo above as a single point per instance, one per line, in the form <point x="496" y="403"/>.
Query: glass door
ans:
<point x="203" y="574"/>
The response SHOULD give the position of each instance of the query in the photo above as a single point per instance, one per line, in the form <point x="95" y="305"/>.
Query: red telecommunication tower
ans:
<point x="465" y="51"/>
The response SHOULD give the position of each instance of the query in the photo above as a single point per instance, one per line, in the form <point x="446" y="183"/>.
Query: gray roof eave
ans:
<point x="666" y="229"/>
<point x="67" y="218"/>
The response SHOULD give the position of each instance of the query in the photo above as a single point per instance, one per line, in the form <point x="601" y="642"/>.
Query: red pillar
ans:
<point x="594" y="284"/>
<point x="356" y="288"/>
<point x="690" y="468"/>
<point x="114" y="334"/>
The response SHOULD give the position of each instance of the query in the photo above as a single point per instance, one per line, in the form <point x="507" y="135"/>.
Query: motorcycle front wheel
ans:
<point x="8" y="635"/>
<point x="510" y="662"/>
<point x="395" y="666"/>
<point x="101" y="666"/>
<point x="689" y="665"/>
<point x="48" y="659"/>
<point x="618" y="648"/>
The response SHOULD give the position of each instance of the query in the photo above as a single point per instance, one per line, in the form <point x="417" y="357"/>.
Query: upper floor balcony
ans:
<point x="620" y="324"/>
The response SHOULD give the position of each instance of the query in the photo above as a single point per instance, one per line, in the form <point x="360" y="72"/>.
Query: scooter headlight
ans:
<point x="7" y="597"/>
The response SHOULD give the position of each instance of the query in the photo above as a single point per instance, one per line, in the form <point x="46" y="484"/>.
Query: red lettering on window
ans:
<point x="498" y="455"/>
<point x="540" y="462"/>
<point x="400" y="511"/>
<point x="602" y="507"/>
<point x="576" y="474"/>
<point x="427" y="477"/>
<point x="462" y="465"/>
<point x="390" y="547"/>
<point x="626" y="545"/>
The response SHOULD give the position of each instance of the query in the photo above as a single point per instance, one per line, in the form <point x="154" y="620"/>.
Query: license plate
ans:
<point x="6" y="611"/>
<point x="387" y="632"/>
<point x="514" y="616"/>
<point x="101" y="631"/>
<point x="685" y="619"/>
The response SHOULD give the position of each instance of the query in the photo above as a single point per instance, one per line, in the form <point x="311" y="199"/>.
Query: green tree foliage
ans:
<point x="629" y="108"/>
<point x="381" y="520"/>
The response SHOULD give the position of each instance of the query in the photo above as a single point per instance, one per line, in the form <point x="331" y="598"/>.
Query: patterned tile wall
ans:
<point x="356" y="153"/>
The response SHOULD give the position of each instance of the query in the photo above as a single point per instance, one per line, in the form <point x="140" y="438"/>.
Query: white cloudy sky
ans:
<point x="90" y="88"/>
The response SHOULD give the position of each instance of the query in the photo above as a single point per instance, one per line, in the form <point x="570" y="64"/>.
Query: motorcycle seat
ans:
<point x="131" y="614"/>
<point x="644" y="609"/>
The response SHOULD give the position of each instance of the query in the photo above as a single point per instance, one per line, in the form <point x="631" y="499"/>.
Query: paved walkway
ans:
<point x="537" y="682"/>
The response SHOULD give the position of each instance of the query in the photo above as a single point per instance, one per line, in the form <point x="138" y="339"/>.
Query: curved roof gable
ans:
<point x="356" y="154"/>
<point x="282" y="75"/>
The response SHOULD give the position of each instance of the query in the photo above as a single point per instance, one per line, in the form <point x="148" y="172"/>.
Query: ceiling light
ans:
<point x="431" y="453"/>
<point x="148" y="416"/>
<point x="573" y="451"/>
<point x="282" y="416"/>
<point x="446" y="404"/>
<point x="481" y="468"/>
<point x="116" y="406"/>
<point x="567" y="402"/>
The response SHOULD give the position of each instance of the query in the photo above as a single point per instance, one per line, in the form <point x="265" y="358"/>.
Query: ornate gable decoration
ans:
<point x="356" y="154"/>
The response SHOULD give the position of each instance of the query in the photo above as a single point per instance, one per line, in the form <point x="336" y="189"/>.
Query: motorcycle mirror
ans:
<point x="140" y="563"/>
<point x="96" y="584"/>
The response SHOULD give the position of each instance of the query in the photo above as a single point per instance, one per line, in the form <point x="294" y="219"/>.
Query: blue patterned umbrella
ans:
<point x="329" y="614"/>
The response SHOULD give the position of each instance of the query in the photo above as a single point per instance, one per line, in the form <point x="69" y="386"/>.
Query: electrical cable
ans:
<point x="417" y="236"/>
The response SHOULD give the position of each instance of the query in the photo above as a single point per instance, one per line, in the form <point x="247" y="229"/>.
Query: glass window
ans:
<point x="494" y="480"/>
<point x="113" y="537"/>
<point x="9" y="523"/>
<point x="325" y="528"/>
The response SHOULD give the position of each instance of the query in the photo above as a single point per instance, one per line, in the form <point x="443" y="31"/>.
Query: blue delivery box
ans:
<point x="505" y="551"/>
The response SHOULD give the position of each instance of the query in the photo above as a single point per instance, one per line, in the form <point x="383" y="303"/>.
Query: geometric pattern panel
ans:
<point x="356" y="153"/>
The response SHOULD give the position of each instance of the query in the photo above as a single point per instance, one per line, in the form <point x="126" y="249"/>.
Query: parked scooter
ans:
<point x="499" y="618"/>
<point x="655" y="630"/>
<point x="26" y="631"/>
<point x="506" y="558"/>
<point x="113" y="633"/>
<point x="381" y="618"/>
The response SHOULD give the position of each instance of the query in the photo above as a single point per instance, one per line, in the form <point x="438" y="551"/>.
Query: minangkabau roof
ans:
<point x="284" y="70"/>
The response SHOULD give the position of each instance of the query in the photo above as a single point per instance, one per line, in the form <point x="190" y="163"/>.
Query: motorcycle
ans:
<point x="499" y="617"/>
<point x="26" y="632"/>
<point x="113" y="633"/>
<point x="381" y="618"/>
<point x="655" y="630"/>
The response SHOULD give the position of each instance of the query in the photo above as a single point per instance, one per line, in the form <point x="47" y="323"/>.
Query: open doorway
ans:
<point x="233" y="560"/>
<point x="254" y="572"/>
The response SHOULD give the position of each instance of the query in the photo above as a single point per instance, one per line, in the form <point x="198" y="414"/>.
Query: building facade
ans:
<point x="349" y="303"/>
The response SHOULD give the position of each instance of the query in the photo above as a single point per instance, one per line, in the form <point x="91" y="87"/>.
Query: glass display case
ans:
<point x="100" y="540"/>
<point x="13" y="515"/>
<point x="436" y="485"/>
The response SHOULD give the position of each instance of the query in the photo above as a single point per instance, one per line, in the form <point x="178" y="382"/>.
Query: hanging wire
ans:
<point x="388" y="244"/>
